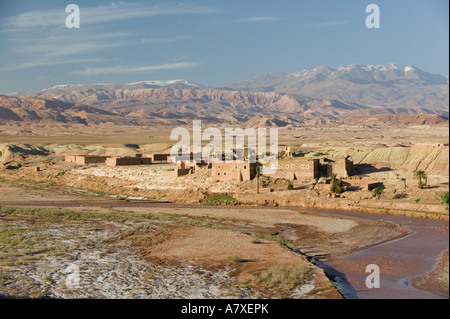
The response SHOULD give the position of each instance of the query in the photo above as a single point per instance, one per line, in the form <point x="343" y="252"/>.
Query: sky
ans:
<point x="211" y="42"/>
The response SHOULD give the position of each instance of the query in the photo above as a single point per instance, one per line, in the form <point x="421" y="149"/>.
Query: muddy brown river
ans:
<point x="399" y="260"/>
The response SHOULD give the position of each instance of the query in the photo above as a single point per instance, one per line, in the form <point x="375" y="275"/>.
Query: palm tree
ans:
<point x="421" y="175"/>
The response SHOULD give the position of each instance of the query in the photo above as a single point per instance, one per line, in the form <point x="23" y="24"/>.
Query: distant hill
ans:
<point x="397" y="120"/>
<point x="319" y="96"/>
<point x="390" y="86"/>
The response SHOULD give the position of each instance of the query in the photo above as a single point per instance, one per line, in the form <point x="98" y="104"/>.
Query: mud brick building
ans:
<point x="342" y="167"/>
<point x="233" y="172"/>
<point x="296" y="169"/>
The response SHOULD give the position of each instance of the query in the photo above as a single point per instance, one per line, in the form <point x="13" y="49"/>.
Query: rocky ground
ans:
<point x="138" y="254"/>
<point x="436" y="281"/>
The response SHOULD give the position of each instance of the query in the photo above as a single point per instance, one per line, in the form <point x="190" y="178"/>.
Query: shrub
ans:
<point x="256" y="240"/>
<point x="417" y="200"/>
<point x="444" y="199"/>
<point x="336" y="186"/>
<point x="19" y="165"/>
<point x="235" y="259"/>
<point x="377" y="192"/>
<point x="290" y="186"/>
<point x="221" y="200"/>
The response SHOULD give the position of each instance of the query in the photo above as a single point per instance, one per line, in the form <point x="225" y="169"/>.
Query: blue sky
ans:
<point x="211" y="42"/>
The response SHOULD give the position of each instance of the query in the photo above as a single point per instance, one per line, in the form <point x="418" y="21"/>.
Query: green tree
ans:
<point x="422" y="177"/>
<point x="336" y="186"/>
<point x="444" y="198"/>
<point x="377" y="192"/>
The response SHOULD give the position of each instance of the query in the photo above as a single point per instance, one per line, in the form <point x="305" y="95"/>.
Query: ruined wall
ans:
<point x="85" y="159"/>
<point x="126" y="161"/>
<point x="178" y="172"/>
<point x="364" y="184"/>
<point x="160" y="158"/>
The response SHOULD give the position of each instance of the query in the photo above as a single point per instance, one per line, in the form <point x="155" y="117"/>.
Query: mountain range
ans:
<point x="388" y="85"/>
<point x="322" y="95"/>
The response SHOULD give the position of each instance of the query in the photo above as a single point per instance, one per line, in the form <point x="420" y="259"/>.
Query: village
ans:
<point x="321" y="171"/>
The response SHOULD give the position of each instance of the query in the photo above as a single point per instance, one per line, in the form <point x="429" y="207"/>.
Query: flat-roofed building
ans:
<point x="233" y="172"/>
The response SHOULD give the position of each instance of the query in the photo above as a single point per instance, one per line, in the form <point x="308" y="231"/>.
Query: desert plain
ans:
<point x="134" y="232"/>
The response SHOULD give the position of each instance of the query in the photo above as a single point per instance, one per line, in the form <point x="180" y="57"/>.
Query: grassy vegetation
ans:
<point x="287" y="276"/>
<point x="281" y="241"/>
<point x="444" y="200"/>
<point x="111" y="215"/>
<point x="221" y="200"/>
<point x="21" y="246"/>
<point x="235" y="259"/>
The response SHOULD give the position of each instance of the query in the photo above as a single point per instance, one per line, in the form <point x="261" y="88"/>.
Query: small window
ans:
<point x="245" y="167"/>
<point x="287" y="166"/>
<point x="307" y="166"/>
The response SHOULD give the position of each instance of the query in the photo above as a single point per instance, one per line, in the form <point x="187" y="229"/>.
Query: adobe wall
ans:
<point x="160" y="157"/>
<point x="233" y="172"/>
<point x="126" y="161"/>
<point x="300" y="169"/>
<point x="70" y="158"/>
<point x="94" y="159"/>
<point x="85" y="159"/>
<point x="364" y="184"/>
<point x="178" y="172"/>
<point x="343" y="167"/>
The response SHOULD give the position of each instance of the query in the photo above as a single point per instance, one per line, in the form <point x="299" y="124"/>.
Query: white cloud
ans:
<point x="259" y="19"/>
<point x="112" y="12"/>
<point x="126" y="69"/>
<point x="52" y="61"/>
